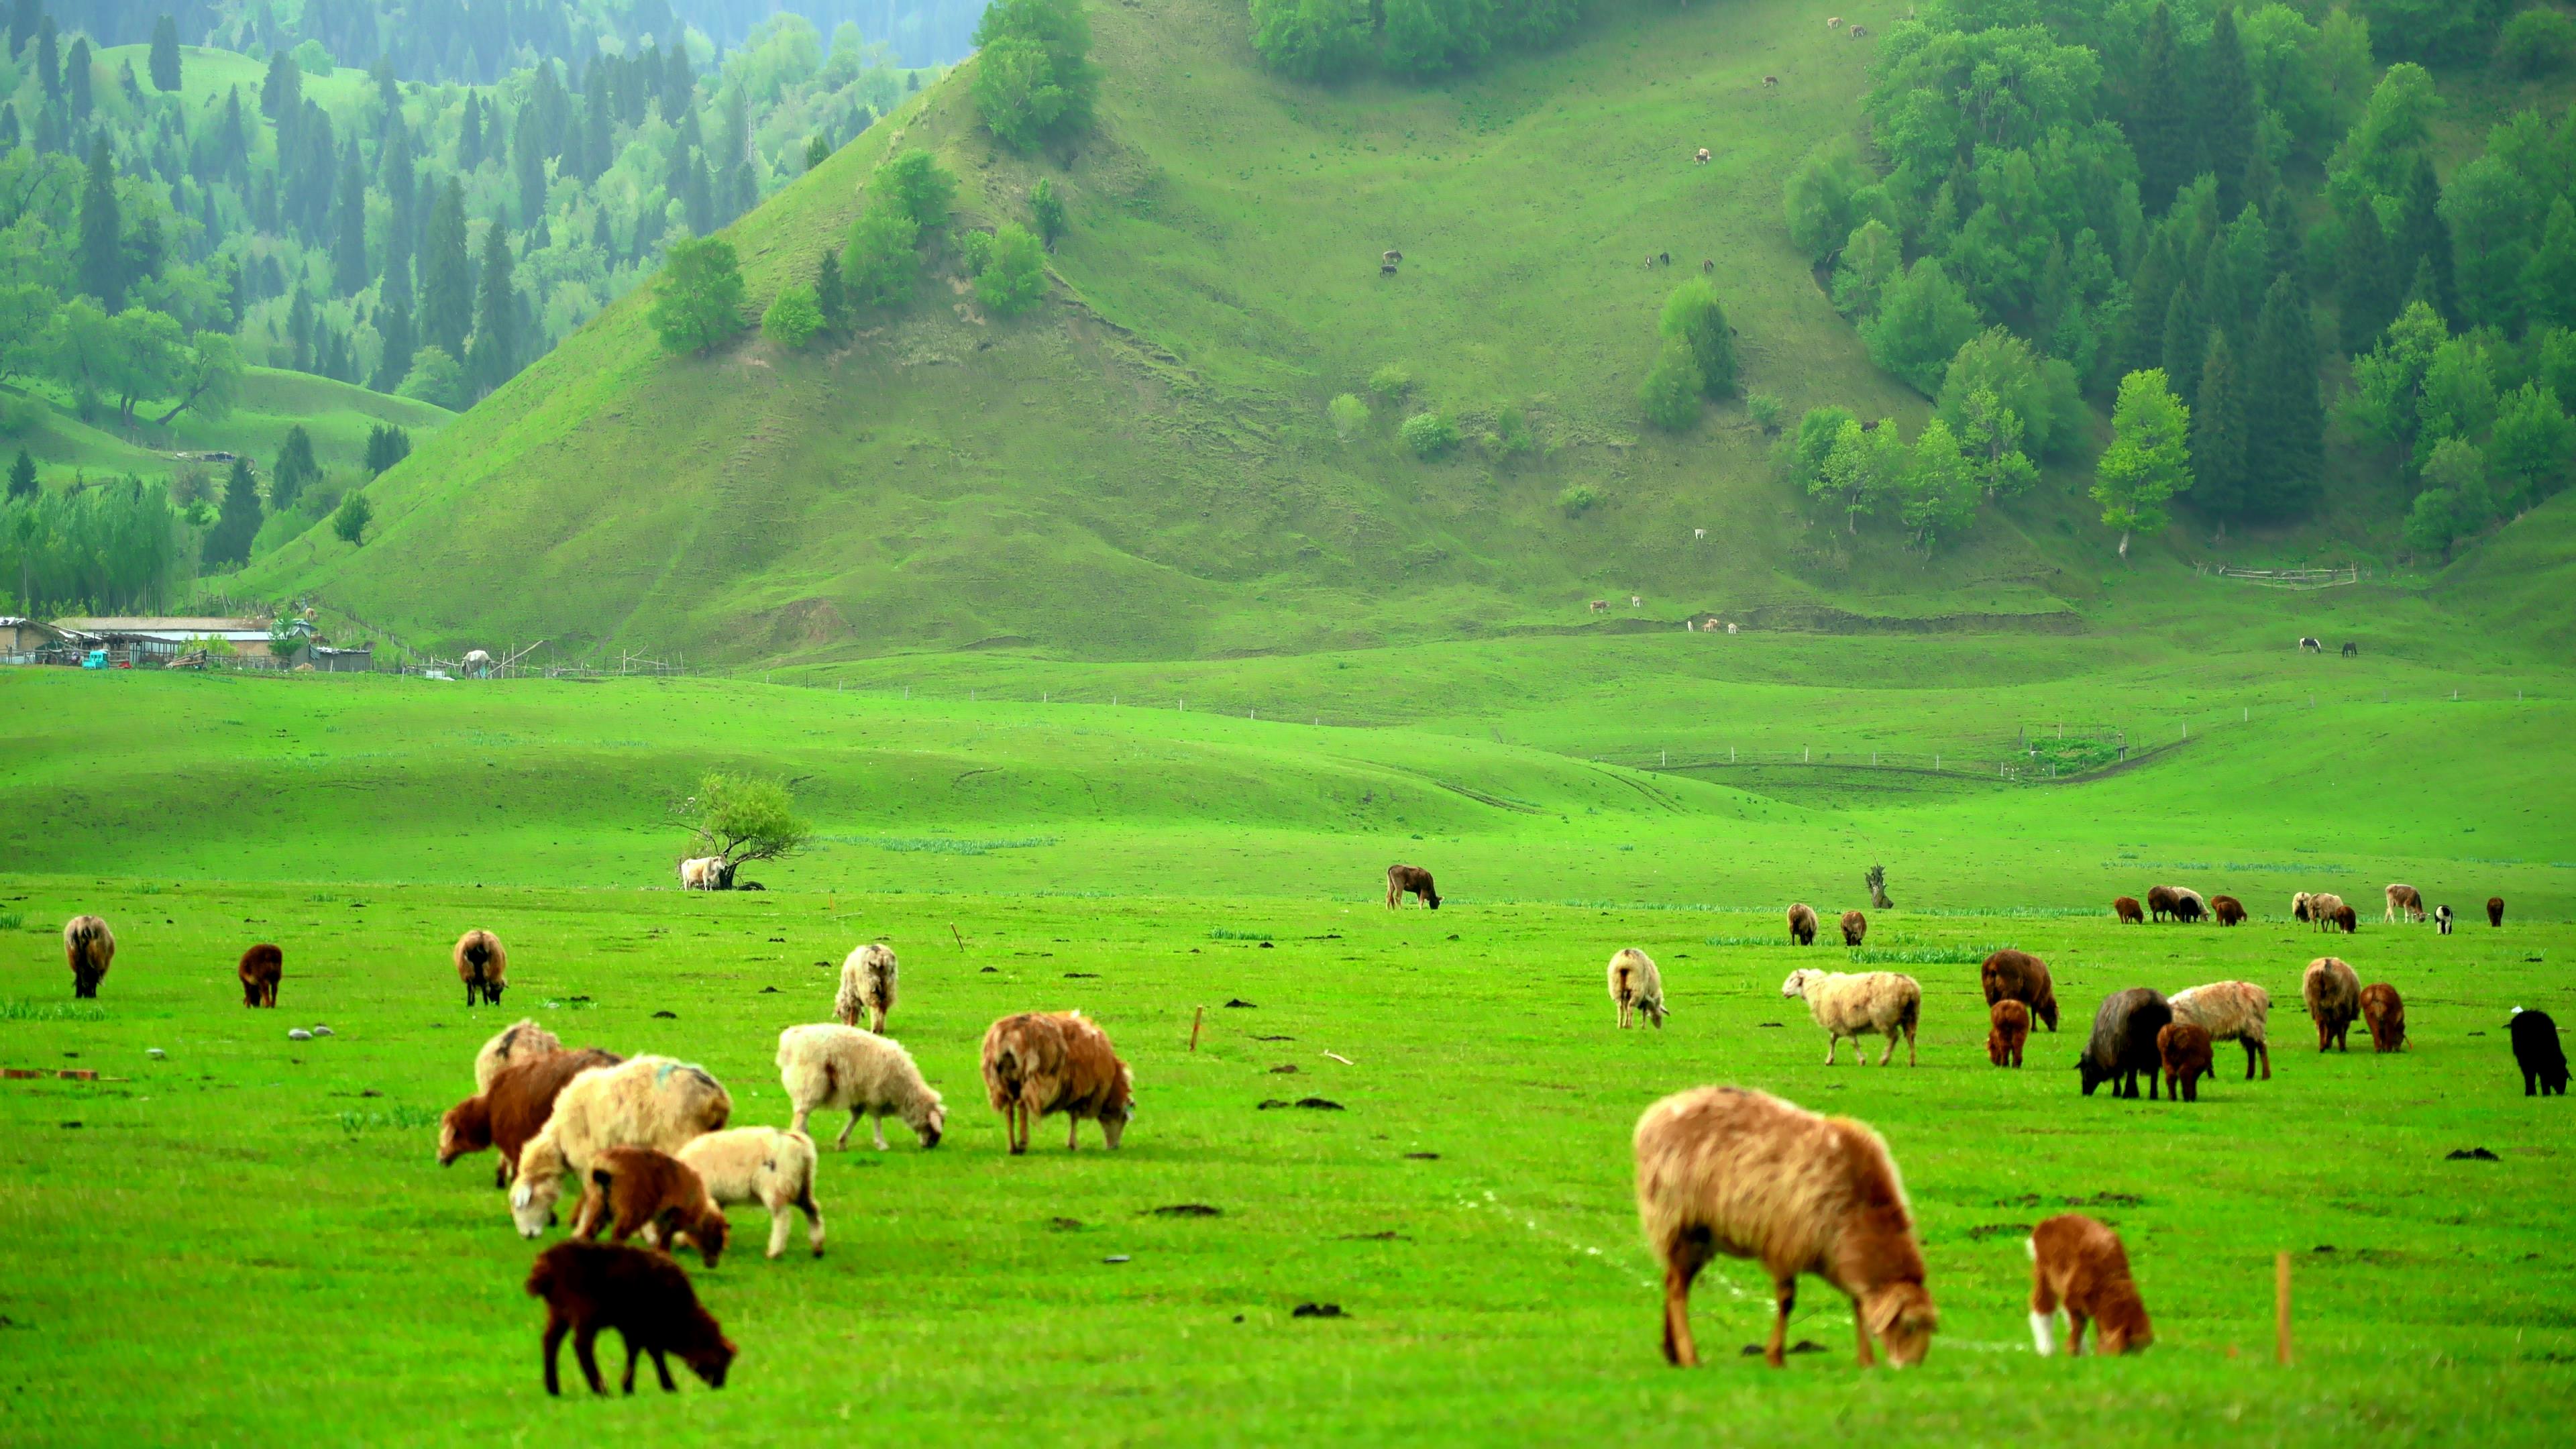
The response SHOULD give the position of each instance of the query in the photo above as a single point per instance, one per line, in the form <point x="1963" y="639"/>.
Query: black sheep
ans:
<point x="2124" y="1042"/>
<point x="2537" y="1052"/>
<point x="644" y="1296"/>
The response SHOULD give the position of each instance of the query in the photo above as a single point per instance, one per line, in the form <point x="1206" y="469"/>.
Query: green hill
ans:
<point x="273" y="400"/>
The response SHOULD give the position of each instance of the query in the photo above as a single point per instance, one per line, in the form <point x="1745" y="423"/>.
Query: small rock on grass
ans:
<point x="1317" y="1310"/>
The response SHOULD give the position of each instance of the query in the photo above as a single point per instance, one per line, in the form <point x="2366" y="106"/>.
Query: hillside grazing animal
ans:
<point x="1390" y="255"/>
<point x="1855" y="926"/>
<point x="764" y="1165"/>
<point x="2079" y="1264"/>
<point x="1859" y="32"/>
<point x="2184" y="1049"/>
<point x="2128" y="910"/>
<point x="2346" y="920"/>
<point x="2010" y="975"/>
<point x="482" y="965"/>
<point x="1601" y="606"/>
<point x="262" y="966"/>
<point x="1703" y="156"/>
<point x="1662" y="259"/>
<point x="512" y="1109"/>
<point x="829" y="1067"/>
<point x="2442" y="919"/>
<point x="2010" y="1030"/>
<point x="521" y="1041"/>
<point x="1770" y="82"/>
<point x="1858" y="1004"/>
<point x="2322" y="908"/>
<point x="1876" y="879"/>
<point x="2299" y="906"/>
<point x="2188" y="906"/>
<point x="2227" y="910"/>
<point x="1708" y="266"/>
<point x="1739" y="1172"/>
<point x="643" y="1295"/>
<point x="2404" y="903"/>
<point x="2351" y="650"/>
<point x="2237" y="1011"/>
<point x="2163" y="901"/>
<point x="1386" y="269"/>
<point x="1637" y="987"/>
<point x="2311" y="646"/>
<point x="1802" y="924"/>
<point x="2495" y="914"/>
<point x="90" y="948"/>
<point x="646" y="1102"/>
<point x="706" y="873"/>
<point x="2124" y="1042"/>
<point x="1039" y="1063"/>
<point x="867" y="984"/>
<point x="1833" y="22"/>
<point x="1403" y="880"/>
<point x="632" y="1189"/>
<point x="2537" y="1051"/>
<point x="2333" y="995"/>
<point x="2384" y="1012"/>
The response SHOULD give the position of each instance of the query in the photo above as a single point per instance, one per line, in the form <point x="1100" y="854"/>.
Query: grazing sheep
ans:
<point x="1386" y="269"/>
<point x="706" y="873"/>
<point x="1390" y="256"/>
<point x="2345" y="920"/>
<point x="829" y="1067"/>
<point x="2011" y="1029"/>
<point x="2537" y="1051"/>
<point x="1733" y="1171"/>
<point x="2442" y="919"/>
<point x="764" y="1165"/>
<point x="1855" y="926"/>
<point x="262" y="967"/>
<point x="2126" y="908"/>
<point x="2237" y="1011"/>
<point x="867" y="984"/>
<point x="2188" y="906"/>
<point x="513" y="1107"/>
<point x="643" y="1295"/>
<point x="2184" y="1049"/>
<point x="2079" y="1263"/>
<point x="637" y="1188"/>
<point x="2299" y="906"/>
<point x="1636" y="987"/>
<point x="1402" y="880"/>
<point x="90" y="947"/>
<point x="482" y="965"/>
<point x="1802" y="924"/>
<point x="1859" y="32"/>
<point x="1770" y="82"/>
<point x="2322" y="910"/>
<point x="2124" y="1042"/>
<point x="2020" y="976"/>
<point x="1833" y="22"/>
<point x="2384" y="1012"/>
<point x="2333" y="995"/>
<point x="2404" y="902"/>
<point x="1708" y="268"/>
<point x="1703" y="156"/>
<point x="521" y="1041"/>
<point x="647" y="1102"/>
<point x="2163" y="901"/>
<point x="2227" y="910"/>
<point x="1858" y="1004"/>
<point x="1039" y="1063"/>
<point x="2495" y="915"/>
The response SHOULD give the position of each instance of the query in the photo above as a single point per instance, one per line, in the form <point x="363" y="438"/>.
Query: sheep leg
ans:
<point x="556" y="1327"/>
<point x="1833" y="1042"/>
<point x="1784" y="1291"/>
<point x="1886" y="1056"/>
<point x="1072" y="1132"/>
<point x="662" y="1368"/>
<point x="1860" y="1325"/>
<point x="777" y="1228"/>
<point x="843" y="1141"/>
<point x="876" y="1020"/>
<point x="877" y="1126"/>
<point x="813" y="1220"/>
<point x="634" y="1351"/>
<point x="584" y="1340"/>
<point x="1682" y="1262"/>
<point x="1909" y="1047"/>
<point x="798" y="1125"/>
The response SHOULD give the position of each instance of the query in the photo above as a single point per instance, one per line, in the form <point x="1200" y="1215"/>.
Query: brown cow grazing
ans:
<point x="2020" y="976"/>
<point x="634" y="1189"/>
<point x="2228" y="910"/>
<point x="2333" y="995"/>
<point x="1855" y="926"/>
<point x="2495" y="911"/>
<point x="1802" y="924"/>
<point x="2185" y="1050"/>
<point x="2404" y="903"/>
<point x="90" y="947"/>
<point x="2345" y="918"/>
<point x="1409" y="879"/>
<point x="2011" y="1029"/>
<point x="2384" y="1012"/>
<point x="513" y="1110"/>
<point x="643" y="1295"/>
<point x="2126" y="908"/>
<point x="1040" y="1063"/>
<point x="2079" y="1263"/>
<point x="261" y="968"/>
<point x="481" y="964"/>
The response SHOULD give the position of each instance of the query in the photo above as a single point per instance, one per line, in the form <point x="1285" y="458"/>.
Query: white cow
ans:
<point x="706" y="873"/>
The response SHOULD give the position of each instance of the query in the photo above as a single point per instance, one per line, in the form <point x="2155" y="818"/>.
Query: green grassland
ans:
<point x="337" y="415"/>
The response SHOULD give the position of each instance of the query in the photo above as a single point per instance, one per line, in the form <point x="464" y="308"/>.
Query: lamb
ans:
<point x="867" y="984"/>
<point x="1039" y="1063"/>
<point x="831" y="1067"/>
<point x="1412" y="879"/>
<point x="2124" y="1042"/>
<point x="647" y="1102"/>
<point x="2184" y="1048"/>
<point x="2237" y="1011"/>
<point x="1636" y="987"/>
<point x="2404" y="902"/>
<point x="764" y="1165"/>
<point x="637" y="1188"/>
<point x="2020" y="976"/>
<point x="706" y="873"/>
<point x="2495" y="915"/>
<point x="1802" y="924"/>
<point x="2345" y="919"/>
<point x="2079" y="1263"/>
<point x="482" y="965"/>
<point x="2322" y="909"/>
<point x="2333" y="995"/>
<point x="1859" y="1004"/>
<point x="2384" y="1012"/>
<point x="262" y="966"/>
<point x="90" y="948"/>
<point x="2227" y="910"/>
<point x="513" y="1107"/>
<point x="1855" y="926"/>
<point x="2011" y="1029"/>
<point x="643" y="1295"/>
<point x="2442" y="919"/>
<point x="2537" y="1051"/>
<point x="1734" y="1171"/>
<point x="2126" y="908"/>
<point x="521" y="1041"/>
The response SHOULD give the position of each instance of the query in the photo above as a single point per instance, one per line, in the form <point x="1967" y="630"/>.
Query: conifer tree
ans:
<point x="492" y="359"/>
<point x="2218" y="434"/>
<point x="49" y="60"/>
<point x="236" y="522"/>
<point x="2157" y="126"/>
<point x="165" y="54"/>
<point x="469" y="134"/>
<point x="2228" y="111"/>
<point x="446" y="275"/>
<point x="102" y="233"/>
<point x="76" y="67"/>
<point x="2369" y="294"/>
<point x="2285" y="421"/>
<point x="22" y="477"/>
<point x="831" y="296"/>
<point x="2186" y="341"/>
<point x="2424" y="242"/>
<point x="349" y="245"/>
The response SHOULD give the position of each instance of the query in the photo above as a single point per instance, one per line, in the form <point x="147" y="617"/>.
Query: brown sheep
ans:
<point x="2185" y="1050"/>
<point x="2011" y="1030"/>
<point x="2126" y="908"/>
<point x="482" y="965"/>
<point x="2163" y="901"/>
<point x="2079" y="1263"/>
<point x="1855" y="926"/>
<point x="2228" y="910"/>
<point x="1802" y="924"/>
<point x="2405" y="903"/>
<point x="2345" y="919"/>
<point x="635" y="1189"/>
<point x="509" y="1114"/>
<point x="2495" y="912"/>
<point x="90" y="948"/>
<point x="1733" y="1171"/>
<point x="1040" y="1063"/>
<point x="2123" y="1045"/>
<point x="1402" y="880"/>
<point x="262" y="966"/>
<point x="2333" y="995"/>
<point x="2020" y="976"/>
<point x="2237" y="1011"/>
<point x="2321" y="910"/>
<point x="2384" y="1012"/>
<point x="643" y="1295"/>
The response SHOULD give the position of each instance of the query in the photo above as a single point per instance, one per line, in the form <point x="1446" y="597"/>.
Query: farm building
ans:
<point x="148" y="641"/>
<point x="23" y="641"/>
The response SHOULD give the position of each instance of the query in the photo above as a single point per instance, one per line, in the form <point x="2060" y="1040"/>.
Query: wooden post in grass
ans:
<point x="1197" y="1015"/>
<point x="2281" y="1308"/>
<point x="961" y="941"/>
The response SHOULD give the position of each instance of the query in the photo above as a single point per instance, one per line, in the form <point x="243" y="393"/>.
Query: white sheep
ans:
<point x="706" y="873"/>
<point x="655" y="1102"/>
<point x="2230" y="1011"/>
<point x="764" y="1165"/>
<point x="1858" y="1004"/>
<point x="521" y="1041"/>
<point x="1637" y="987"/>
<point x="867" y="984"/>
<point x="831" y="1067"/>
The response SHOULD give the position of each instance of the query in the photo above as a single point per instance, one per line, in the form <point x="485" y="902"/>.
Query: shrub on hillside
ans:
<point x="1576" y="499"/>
<point x="1923" y="320"/>
<point x="1694" y="315"/>
<point x="1829" y="195"/>
<point x="435" y="377"/>
<point x="1429" y="435"/>
<point x="1033" y="73"/>
<point x="1014" y="278"/>
<point x="1670" y="394"/>
<point x="1391" y="382"/>
<point x="1349" y="415"/>
<point x="915" y="184"/>
<point x="386" y="446"/>
<point x="974" y="250"/>
<point x="1312" y="40"/>
<point x="349" y="521"/>
<point x="1766" y="410"/>
<point x="881" y="263"/>
<point x="2537" y="42"/>
<point x="2040" y="391"/>
<point x="1046" y="212"/>
<point x="697" y="302"/>
<point x="1330" y="40"/>
<point x="1512" y="435"/>
<point x="793" y="318"/>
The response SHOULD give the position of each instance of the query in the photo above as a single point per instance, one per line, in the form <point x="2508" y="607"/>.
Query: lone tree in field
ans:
<point x="2149" y="459"/>
<point x="737" y="818"/>
<point x="697" y="304"/>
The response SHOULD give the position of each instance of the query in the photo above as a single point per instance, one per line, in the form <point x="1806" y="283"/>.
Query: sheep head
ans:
<point x="1795" y="987"/>
<point x="467" y="1127"/>
<point x="1901" y="1316"/>
<point x="928" y="1120"/>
